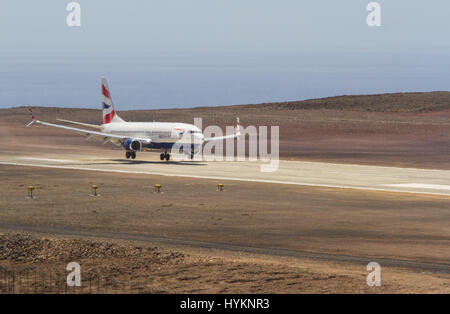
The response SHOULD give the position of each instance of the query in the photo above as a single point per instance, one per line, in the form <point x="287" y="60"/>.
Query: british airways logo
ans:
<point x="105" y="106"/>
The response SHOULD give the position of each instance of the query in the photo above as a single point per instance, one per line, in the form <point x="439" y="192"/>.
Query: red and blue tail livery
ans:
<point x="109" y="115"/>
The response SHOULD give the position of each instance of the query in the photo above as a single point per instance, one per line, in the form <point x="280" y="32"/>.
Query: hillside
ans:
<point x="398" y="102"/>
<point x="393" y="129"/>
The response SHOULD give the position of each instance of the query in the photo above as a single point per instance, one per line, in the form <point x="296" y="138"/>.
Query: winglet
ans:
<point x="238" y="127"/>
<point x="33" y="120"/>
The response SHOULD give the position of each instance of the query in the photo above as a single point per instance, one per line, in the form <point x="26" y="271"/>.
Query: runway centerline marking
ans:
<point x="420" y="186"/>
<point x="367" y="188"/>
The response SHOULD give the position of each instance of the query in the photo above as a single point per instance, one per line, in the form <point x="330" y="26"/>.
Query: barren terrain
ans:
<point x="107" y="266"/>
<point x="411" y="129"/>
<point x="253" y="237"/>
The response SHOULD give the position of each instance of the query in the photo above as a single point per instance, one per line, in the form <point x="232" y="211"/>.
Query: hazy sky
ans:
<point x="160" y="53"/>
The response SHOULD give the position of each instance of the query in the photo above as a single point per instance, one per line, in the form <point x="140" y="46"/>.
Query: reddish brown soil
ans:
<point x="411" y="130"/>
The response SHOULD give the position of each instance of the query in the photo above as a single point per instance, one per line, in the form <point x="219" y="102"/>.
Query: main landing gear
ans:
<point x="130" y="154"/>
<point x="165" y="156"/>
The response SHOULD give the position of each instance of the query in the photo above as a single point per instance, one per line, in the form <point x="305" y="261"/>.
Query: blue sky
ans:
<point x="179" y="53"/>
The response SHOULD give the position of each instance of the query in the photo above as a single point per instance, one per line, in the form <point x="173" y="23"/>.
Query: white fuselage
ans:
<point x="158" y="132"/>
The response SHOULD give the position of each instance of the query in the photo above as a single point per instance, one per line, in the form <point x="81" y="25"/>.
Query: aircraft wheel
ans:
<point x="133" y="155"/>
<point x="128" y="155"/>
<point x="162" y="156"/>
<point x="167" y="157"/>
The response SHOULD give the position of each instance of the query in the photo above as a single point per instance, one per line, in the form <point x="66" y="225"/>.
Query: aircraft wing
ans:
<point x="98" y="127"/>
<point x="219" y="138"/>
<point x="107" y="137"/>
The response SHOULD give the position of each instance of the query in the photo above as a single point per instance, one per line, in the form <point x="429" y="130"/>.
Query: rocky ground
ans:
<point x="31" y="263"/>
<point x="31" y="249"/>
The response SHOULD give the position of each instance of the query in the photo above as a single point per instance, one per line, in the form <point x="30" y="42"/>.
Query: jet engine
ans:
<point x="131" y="144"/>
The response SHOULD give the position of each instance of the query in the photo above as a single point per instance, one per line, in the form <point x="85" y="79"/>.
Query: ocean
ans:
<point x="190" y="80"/>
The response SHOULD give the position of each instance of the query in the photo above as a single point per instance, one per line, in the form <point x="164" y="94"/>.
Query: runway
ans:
<point x="345" y="176"/>
<point x="321" y="214"/>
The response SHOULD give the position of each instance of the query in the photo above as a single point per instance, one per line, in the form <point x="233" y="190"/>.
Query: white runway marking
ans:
<point x="47" y="159"/>
<point x="368" y="188"/>
<point x="420" y="186"/>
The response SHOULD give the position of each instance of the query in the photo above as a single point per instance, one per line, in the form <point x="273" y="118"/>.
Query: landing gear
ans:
<point x="165" y="156"/>
<point x="130" y="154"/>
<point x="192" y="154"/>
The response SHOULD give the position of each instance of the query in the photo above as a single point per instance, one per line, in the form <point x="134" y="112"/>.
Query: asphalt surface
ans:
<point x="376" y="178"/>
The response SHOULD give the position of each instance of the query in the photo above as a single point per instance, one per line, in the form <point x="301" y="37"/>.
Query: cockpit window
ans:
<point x="194" y="132"/>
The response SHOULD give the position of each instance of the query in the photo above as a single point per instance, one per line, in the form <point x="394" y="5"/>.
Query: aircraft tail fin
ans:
<point x="109" y="114"/>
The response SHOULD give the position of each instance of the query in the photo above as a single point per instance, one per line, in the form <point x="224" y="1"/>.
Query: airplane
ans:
<point x="141" y="136"/>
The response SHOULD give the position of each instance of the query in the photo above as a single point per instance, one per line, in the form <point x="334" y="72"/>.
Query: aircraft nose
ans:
<point x="199" y="136"/>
